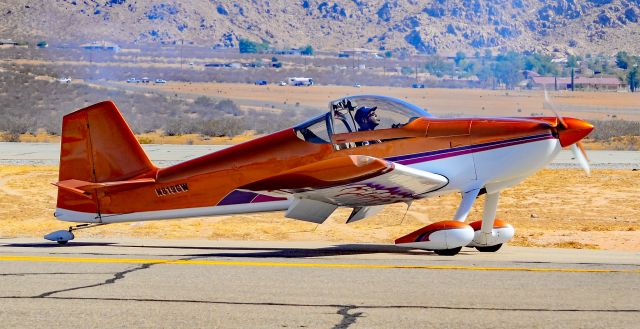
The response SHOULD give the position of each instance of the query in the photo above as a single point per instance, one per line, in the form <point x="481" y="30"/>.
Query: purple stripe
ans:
<point x="237" y="197"/>
<point x="477" y="148"/>
<point x="244" y="197"/>
<point x="266" y="198"/>
<point x="423" y="154"/>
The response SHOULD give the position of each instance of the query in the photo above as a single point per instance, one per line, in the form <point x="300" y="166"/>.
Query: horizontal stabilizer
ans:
<point x="86" y="188"/>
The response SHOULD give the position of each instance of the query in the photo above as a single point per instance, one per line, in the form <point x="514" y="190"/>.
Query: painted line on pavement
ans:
<point x="55" y="259"/>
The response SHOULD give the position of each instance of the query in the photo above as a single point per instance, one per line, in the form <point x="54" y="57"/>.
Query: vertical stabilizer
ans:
<point x="98" y="146"/>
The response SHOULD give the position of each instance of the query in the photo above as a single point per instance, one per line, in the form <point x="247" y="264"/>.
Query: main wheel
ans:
<point x="63" y="242"/>
<point x="448" y="252"/>
<point x="490" y="248"/>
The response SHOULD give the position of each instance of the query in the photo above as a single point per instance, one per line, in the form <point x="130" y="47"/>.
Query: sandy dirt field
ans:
<point x="559" y="208"/>
<point x="479" y="102"/>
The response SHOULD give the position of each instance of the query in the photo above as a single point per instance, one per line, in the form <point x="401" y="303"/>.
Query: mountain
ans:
<point x="436" y="26"/>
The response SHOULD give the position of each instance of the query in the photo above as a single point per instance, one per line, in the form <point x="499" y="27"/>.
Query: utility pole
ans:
<point x="573" y="88"/>
<point x="181" y="45"/>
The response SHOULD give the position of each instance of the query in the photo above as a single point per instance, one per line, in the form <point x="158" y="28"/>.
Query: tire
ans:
<point x="448" y="252"/>
<point x="490" y="248"/>
<point x="63" y="242"/>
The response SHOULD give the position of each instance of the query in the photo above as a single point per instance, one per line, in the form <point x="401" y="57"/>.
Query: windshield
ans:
<point x="314" y="130"/>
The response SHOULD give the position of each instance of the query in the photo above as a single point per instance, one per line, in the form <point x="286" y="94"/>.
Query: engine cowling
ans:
<point x="439" y="236"/>
<point x="502" y="233"/>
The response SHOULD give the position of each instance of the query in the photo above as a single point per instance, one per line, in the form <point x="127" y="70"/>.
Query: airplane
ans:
<point x="313" y="168"/>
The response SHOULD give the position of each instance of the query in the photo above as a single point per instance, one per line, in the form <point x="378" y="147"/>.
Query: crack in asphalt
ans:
<point x="346" y="307"/>
<point x="347" y="319"/>
<point x="117" y="276"/>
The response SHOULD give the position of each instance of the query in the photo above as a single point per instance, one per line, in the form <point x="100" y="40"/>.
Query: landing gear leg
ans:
<point x="64" y="236"/>
<point x="488" y="217"/>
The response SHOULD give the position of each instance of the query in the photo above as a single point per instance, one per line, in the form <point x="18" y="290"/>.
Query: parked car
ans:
<point x="261" y="82"/>
<point x="160" y="81"/>
<point x="282" y="83"/>
<point x="64" y="79"/>
<point x="417" y="85"/>
<point x="132" y="80"/>
<point x="144" y="80"/>
<point x="357" y="85"/>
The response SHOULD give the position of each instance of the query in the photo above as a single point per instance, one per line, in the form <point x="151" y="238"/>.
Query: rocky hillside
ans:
<point x="433" y="26"/>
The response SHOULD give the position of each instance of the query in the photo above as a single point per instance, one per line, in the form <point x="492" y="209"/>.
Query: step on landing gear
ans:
<point x="64" y="236"/>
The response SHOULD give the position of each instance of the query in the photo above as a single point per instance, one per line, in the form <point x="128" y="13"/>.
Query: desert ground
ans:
<point x="554" y="208"/>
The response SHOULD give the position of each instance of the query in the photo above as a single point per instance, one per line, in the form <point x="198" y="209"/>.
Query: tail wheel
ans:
<point x="448" y="252"/>
<point x="490" y="248"/>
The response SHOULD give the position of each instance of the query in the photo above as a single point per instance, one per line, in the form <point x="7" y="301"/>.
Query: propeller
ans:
<point x="577" y="148"/>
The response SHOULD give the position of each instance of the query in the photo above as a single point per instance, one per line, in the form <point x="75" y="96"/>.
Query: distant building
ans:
<point x="8" y="42"/>
<point x="359" y="52"/>
<point x="101" y="45"/>
<point x="581" y="83"/>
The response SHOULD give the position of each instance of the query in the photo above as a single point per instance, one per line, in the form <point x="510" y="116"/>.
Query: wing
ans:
<point x="357" y="181"/>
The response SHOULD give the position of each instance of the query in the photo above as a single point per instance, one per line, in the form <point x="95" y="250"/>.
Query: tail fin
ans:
<point x="98" y="146"/>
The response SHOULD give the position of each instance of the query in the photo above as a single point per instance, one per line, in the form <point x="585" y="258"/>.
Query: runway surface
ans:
<point x="242" y="284"/>
<point x="166" y="155"/>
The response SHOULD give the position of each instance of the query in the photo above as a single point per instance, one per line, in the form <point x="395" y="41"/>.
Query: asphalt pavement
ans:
<point x="222" y="284"/>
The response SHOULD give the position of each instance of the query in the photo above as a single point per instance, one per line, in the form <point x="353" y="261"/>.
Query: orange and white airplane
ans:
<point x="313" y="168"/>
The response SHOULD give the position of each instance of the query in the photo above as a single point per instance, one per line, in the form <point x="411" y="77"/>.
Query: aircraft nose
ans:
<point x="575" y="131"/>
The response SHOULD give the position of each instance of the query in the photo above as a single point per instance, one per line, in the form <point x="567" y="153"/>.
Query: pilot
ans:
<point x="367" y="118"/>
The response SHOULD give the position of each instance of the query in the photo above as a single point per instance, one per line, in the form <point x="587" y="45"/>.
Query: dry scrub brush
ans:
<point x="607" y="129"/>
<point x="29" y="104"/>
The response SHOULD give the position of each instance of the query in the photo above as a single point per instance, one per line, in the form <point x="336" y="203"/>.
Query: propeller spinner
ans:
<point x="570" y="132"/>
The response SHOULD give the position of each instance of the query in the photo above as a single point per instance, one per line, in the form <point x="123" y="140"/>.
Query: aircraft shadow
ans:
<point x="238" y="252"/>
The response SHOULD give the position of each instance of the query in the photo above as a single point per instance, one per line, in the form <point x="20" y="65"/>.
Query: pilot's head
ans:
<point x="367" y="118"/>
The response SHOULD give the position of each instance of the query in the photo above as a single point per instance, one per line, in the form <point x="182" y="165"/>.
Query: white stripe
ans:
<point x="85" y="217"/>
